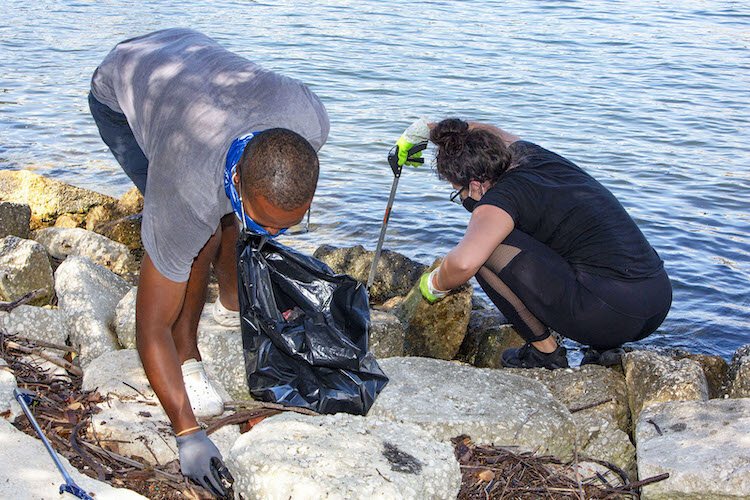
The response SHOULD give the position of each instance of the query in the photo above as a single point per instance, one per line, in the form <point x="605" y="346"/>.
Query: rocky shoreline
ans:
<point x="672" y="412"/>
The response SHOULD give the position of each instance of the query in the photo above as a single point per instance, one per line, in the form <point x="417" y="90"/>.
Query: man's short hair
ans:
<point x="281" y="166"/>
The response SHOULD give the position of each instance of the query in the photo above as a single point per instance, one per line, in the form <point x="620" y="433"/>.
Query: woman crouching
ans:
<point x="551" y="247"/>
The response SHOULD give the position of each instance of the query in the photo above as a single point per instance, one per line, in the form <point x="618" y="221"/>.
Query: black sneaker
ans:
<point x="607" y="357"/>
<point x="529" y="356"/>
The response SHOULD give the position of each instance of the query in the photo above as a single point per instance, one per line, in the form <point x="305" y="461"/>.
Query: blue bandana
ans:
<point x="233" y="157"/>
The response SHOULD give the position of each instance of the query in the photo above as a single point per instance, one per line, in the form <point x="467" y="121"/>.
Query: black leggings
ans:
<point x="537" y="290"/>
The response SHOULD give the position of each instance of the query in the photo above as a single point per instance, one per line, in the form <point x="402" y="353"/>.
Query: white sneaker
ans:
<point x="224" y="316"/>
<point x="204" y="399"/>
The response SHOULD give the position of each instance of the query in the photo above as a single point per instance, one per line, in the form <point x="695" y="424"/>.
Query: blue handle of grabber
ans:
<point x="24" y="398"/>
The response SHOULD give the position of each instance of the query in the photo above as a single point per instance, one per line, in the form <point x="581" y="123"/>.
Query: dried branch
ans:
<point x="9" y="306"/>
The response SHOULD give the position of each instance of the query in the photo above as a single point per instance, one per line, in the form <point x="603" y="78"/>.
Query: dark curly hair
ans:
<point x="464" y="155"/>
<point x="281" y="166"/>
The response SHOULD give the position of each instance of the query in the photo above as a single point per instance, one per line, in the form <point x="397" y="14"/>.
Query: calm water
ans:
<point x="650" y="97"/>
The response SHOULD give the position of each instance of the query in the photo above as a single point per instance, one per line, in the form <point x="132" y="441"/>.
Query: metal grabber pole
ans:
<point x="24" y="398"/>
<point x="396" y="168"/>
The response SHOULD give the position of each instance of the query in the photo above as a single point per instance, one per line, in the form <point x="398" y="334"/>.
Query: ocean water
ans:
<point x="652" y="98"/>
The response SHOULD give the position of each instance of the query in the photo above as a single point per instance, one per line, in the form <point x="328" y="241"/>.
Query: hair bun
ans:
<point x="450" y="136"/>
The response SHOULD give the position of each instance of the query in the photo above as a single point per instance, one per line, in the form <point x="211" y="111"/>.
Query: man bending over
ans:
<point x="204" y="134"/>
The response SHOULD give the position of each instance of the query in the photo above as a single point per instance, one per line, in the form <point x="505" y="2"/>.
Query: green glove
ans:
<point x="429" y="292"/>
<point x="417" y="134"/>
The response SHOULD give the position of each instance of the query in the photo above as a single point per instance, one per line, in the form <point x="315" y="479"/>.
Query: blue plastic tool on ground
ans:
<point x="24" y="398"/>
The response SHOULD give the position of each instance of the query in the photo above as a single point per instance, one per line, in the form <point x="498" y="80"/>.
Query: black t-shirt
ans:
<point x="560" y="205"/>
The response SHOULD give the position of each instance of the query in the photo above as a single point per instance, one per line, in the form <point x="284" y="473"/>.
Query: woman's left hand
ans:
<point x="428" y="289"/>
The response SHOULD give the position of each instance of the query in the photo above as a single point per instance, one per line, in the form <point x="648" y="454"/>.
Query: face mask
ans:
<point x="233" y="158"/>
<point x="469" y="203"/>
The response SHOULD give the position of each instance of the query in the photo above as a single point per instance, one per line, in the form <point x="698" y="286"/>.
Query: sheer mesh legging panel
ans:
<point x="525" y="323"/>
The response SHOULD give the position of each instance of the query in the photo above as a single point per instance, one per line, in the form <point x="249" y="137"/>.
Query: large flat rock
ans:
<point x="435" y="330"/>
<point x="33" y="474"/>
<point x="36" y="323"/>
<point x="222" y="353"/>
<point x="602" y="389"/>
<point x="24" y="267"/>
<point x="492" y="406"/>
<point x="386" y="335"/>
<point x="9" y="407"/>
<point x="342" y="457"/>
<point x="88" y="295"/>
<point x="653" y="378"/>
<point x="703" y="445"/>
<point x="739" y="373"/>
<point x="48" y="198"/>
<point x="14" y="219"/>
<point x="139" y="427"/>
<point x="395" y="274"/>
<point x="61" y="242"/>
<point x="599" y="400"/>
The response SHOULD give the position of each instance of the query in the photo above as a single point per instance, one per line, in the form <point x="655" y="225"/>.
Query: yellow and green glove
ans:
<point x="429" y="292"/>
<point x="411" y="143"/>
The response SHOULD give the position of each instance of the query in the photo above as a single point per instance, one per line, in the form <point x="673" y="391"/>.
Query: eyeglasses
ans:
<point x="456" y="196"/>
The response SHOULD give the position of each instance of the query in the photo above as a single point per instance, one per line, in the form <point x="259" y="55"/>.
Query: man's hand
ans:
<point x="415" y="136"/>
<point x="427" y="287"/>
<point x="201" y="461"/>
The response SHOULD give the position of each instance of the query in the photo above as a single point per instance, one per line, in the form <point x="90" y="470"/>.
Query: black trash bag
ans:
<point x="304" y="331"/>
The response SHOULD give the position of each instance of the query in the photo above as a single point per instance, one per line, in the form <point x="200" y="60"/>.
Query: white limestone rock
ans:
<point x="341" y="457"/>
<point x="703" y="445"/>
<point x="36" y="323"/>
<point x="61" y="242"/>
<point x="600" y="438"/>
<point x="24" y="267"/>
<point x="33" y="474"/>
<point x="119" y="374"/>
<point x="491" y="406"/>
<point x="9" y="407"/>
<point x="124" y="322"/>
<point x="220" y="347"/>
<point x="653" y="378"/>
<point x="587" y="385"/>
<point x="88" y="295"/>
<point x="386" y="335"/>
<point x="132" y="412"/>
<point x="222" y="353"/>
<point x="139" y="427"/>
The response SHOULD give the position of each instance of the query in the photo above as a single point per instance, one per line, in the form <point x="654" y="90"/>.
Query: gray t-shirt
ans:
<point x="186" y="98"/>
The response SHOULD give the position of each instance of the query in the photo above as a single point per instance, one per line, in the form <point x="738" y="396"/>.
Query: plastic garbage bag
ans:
<point x="304" y="331"/>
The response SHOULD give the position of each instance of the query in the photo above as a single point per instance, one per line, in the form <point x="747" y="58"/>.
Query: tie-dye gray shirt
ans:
<point x="186" y="98"/>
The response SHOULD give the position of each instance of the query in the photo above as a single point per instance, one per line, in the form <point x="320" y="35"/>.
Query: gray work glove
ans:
<point x="201" y="461"/>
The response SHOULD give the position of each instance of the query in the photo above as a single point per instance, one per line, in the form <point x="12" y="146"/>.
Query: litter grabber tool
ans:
<point x="24" y="398"/>
<point x="396" y="168"/>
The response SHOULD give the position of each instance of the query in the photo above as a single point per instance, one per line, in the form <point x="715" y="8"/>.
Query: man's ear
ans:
<point x="235" y="179"/>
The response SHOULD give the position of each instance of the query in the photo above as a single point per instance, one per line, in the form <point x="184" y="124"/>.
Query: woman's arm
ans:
<point x="488" y="227"/>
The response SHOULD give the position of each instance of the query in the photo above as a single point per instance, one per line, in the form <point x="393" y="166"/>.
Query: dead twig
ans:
<point x="232" y="405"/>
<point x="9" y="306"/>
<point x="576" y="409"/>
<point x="48" y="345"/>
<point x="52" y="359"/>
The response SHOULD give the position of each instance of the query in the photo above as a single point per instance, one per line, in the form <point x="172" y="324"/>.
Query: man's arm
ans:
<point x="158" y="304"/>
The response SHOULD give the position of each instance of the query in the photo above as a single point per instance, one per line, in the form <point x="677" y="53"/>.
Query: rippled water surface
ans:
<point x="650" y="97"/>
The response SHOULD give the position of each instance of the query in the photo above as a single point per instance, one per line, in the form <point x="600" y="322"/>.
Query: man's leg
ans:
<point x="225" y="263"/>
<point x="117" y="135"/>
